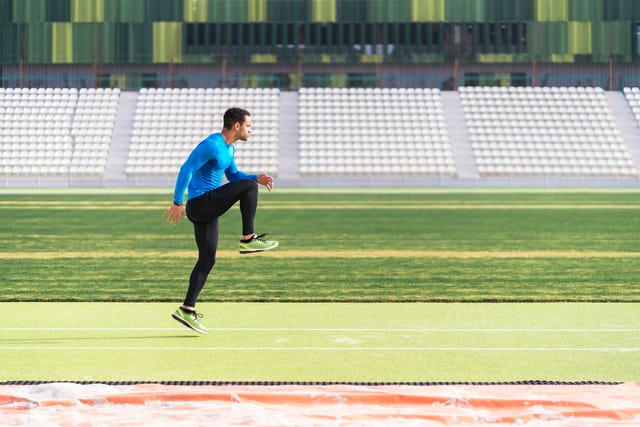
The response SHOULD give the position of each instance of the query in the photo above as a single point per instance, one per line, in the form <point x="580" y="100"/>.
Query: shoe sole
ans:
<point x="188" y="325"/>
<point x="252" y="251"/>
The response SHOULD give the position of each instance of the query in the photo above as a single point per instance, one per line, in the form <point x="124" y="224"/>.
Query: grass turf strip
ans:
<point x="261" y="278"/>
<point x="409" y="226"/>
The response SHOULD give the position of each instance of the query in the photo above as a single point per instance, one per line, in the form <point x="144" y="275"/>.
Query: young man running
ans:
<point x="208" y="199"/>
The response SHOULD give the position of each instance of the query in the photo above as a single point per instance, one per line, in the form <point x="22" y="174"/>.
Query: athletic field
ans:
<point x="367" y="287"/>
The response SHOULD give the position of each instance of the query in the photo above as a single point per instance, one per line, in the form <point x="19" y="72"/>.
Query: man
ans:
<point x="208" y="199"/>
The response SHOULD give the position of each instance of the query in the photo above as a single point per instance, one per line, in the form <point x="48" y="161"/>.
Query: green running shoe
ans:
<point x="257" y="244"/>
<point x="190" y="320"/>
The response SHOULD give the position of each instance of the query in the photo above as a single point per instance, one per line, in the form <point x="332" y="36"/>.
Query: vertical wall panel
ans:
<point x="492" y="11"/>
<point x="579" y="38"/>
<point x="114" y="39"/>
<point x="124" y="10"/>
<point x="283" y="10"/>
<point x="552" y="10"/>
<point x="140" y="42"/>
<point x="107" y="48"/>
<point x="558" y="38"/>
<point x="38" y="44"/>
<point x="547" y="38"/>
<point x="510" y="10"/>
<point x="257" y="10"/>
<point x="350" y="10"/>
<point x="164" y="10"/>
<point x="428" y="10"/>
<point x="228" y="11"/>
<point x="599" y="37"/>
<point x="515" y="10"/>
<point x="10" y="42"/>
<point x="455" y="11"/>
<point x="323" y="10"/>
<point x="611" y="38"/>
<point x="585" y="10"/>
<point x="6" y="11"/>
<point x="619" y="10"/>
<point x="62" y="42"/>
<point x="619" y="41"/>
<point x="167" y="42"/>
<point x="85" y="43"/>
<point x="196" y="10"/>
<point x="87" y="10"/>
<point x="58" y="11"/>
<point x="465" y="10"/>
<point x="385" y="11"/>
<point x="29" y="10"/>
<point x="497" y="10"/>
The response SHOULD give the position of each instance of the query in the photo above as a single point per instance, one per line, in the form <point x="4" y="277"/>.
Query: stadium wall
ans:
<point x="297" y="43"/>
<point x="292" y="77"/>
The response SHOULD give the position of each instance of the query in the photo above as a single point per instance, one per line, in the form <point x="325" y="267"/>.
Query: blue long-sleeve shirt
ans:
<point x="203" y="169"/>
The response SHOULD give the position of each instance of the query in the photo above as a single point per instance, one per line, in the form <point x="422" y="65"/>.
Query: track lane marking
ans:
<point x="426" y="330"/>
<point x="531" y="349"/>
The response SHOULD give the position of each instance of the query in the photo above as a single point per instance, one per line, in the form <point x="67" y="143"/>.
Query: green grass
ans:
<point x="482" y="221"/>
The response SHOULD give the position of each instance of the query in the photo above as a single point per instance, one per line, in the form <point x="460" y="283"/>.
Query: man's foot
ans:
<point x="190" y="320"/>
<point x="257" y="244"/>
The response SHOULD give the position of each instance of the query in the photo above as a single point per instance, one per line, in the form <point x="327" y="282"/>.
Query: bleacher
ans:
<point x="544" y="131"/>
<point x="347" y="133"/>
<point x="92" y="130"/>
<point x="169" y="123"/>
<point x="56" y="131"/>
<point x="359" y="131"/>
<point x="632" y="94"/>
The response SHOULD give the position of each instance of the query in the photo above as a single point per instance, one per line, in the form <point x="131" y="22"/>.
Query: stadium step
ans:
<point x="121" y="140"/>
<point x="289" y="150"/>
<point x="627" y="124"/>
<point x="462" y="151"/>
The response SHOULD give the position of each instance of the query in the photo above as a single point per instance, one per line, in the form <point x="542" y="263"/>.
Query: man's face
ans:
<point x="244" y="130"/>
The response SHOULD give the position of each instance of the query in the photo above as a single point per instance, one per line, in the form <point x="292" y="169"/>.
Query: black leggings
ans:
<point x="204" y="212"/>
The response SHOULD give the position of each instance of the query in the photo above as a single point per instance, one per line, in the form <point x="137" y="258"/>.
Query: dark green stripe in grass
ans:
<point x="431" y="230"/>
<point x="327" y="279"/>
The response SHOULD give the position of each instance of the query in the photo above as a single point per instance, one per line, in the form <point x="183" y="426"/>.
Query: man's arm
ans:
<point x="233" y="174"/>
<point x="174" y="213"/>
<point x="198" y="157"/>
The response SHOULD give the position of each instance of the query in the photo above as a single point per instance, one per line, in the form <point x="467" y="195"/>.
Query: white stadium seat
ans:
<point x="344" y="131"/>
<point x="513" y="131"/>
<point x="42" y="117"/>
<point x="566" y="131"/>
<point x="167" y="118"/>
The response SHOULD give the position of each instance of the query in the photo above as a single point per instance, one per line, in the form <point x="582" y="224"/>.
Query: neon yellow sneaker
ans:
<point x="257" y="244"/>
<point x="190" y="320"/>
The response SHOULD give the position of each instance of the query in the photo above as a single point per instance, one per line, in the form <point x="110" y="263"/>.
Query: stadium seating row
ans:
<point x="56" y="131"/>
<point x="513" y="131"/>
<point x="577" y="122"/>
<point x="184" y="116"/>
<point x="340" y="127"/>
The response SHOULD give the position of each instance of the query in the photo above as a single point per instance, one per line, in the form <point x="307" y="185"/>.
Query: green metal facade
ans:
<point x="317" y="31"/>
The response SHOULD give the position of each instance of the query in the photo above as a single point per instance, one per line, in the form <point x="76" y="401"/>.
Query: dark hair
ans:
<point x="234" y="115"/>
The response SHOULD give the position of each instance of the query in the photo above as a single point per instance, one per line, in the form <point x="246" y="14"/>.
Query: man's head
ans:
<point x="238" y="121"/>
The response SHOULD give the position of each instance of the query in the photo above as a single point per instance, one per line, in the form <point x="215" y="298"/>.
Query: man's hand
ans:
<point x="266" y="180"/>
<point x="174" y="213"/>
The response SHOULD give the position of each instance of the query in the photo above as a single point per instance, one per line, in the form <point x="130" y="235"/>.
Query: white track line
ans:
<point x="424" y="330"/>
<point x="572" y="349"/>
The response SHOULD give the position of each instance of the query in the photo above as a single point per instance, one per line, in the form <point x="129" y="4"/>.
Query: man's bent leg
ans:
<point x="216" y="202"/>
